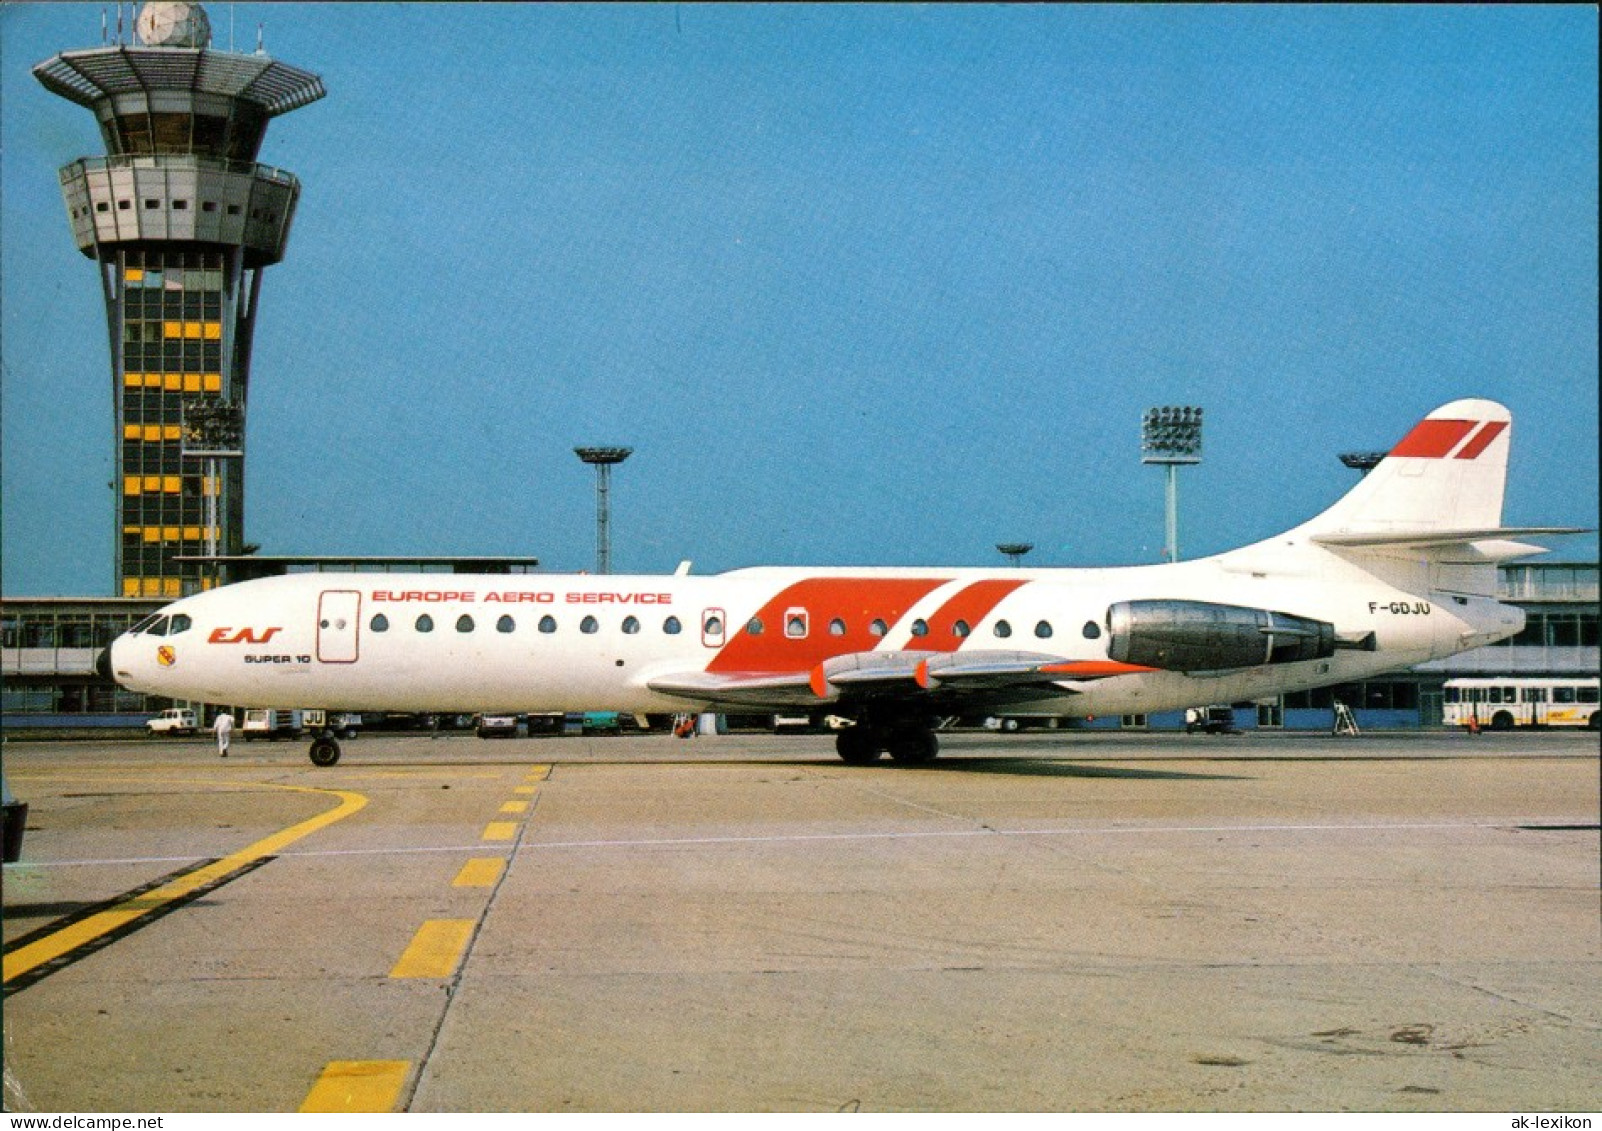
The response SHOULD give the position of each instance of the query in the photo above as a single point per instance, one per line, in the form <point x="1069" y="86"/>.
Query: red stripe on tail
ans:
<point x="1433" y="439"/>
<point x="1481" y="439"/>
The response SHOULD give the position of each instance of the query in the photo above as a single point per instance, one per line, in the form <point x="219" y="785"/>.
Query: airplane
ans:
<point x="1400" y="570"/>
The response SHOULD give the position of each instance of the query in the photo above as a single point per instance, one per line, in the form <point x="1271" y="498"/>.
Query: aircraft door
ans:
<point x="713" y="627"/>
<point x="339" y="626"/>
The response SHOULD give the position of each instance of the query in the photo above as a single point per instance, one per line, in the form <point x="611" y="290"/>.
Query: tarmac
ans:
<point x="1041" y="922"/>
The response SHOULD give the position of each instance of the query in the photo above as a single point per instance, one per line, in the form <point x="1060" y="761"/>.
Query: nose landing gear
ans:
<point x="324" y="750"/>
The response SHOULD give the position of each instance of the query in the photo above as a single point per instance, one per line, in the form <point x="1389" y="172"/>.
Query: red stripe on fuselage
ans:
<point x="1433" y="439"/>
<point x="971" y="605"/>
<point x="856" y="601"/>
<point x="1481" y="439"/>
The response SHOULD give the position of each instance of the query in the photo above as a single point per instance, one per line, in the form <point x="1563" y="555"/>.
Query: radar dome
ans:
<point x="173" y="25"/>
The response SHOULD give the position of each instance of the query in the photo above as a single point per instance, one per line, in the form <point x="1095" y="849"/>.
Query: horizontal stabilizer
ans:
<point x="1438" y="537"/>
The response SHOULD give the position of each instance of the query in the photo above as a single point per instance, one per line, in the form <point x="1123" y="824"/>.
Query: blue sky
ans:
<point x="859" y="284"/>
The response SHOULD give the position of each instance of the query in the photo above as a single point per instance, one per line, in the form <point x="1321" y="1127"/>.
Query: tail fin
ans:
<point x="1442" y="483"/>
<point x="1434" y="503"/>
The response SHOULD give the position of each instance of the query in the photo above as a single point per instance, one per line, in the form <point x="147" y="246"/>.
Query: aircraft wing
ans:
<point x="734" y="689"/>
<point x="968" y="680"/>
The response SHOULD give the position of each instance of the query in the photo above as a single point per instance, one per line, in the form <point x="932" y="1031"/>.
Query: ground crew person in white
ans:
<point x="224" y="726"/>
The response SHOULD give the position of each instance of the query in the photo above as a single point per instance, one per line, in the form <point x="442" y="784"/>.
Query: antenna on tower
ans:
<point x="105" y="28"/>
<point x="260" y="50"/>
<point x="119" y="23"/>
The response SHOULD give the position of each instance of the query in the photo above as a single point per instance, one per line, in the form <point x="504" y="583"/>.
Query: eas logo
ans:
<point x="242" y="636"/>
<point x="165" y="656"/>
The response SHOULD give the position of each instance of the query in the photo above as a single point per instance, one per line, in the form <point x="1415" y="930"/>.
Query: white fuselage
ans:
<point x="548" y="643"/>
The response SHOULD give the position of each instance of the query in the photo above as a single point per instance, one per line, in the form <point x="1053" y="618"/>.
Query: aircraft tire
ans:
<point x="914" y="746"/>
<point x="324" y="752"/>
<point x="858" y="746"/>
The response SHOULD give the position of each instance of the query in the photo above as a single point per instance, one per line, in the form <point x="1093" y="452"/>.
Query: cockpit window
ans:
<point x="180" y="623"/>
<point x="144" y="624"/>
<point x="159" y="628"/>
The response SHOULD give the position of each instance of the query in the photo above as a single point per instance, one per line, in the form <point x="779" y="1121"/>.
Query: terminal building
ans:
<point x="180" y="220"/>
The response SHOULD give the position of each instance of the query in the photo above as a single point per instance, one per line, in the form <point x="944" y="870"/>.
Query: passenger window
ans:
<point x="464" y="623"/>
<point x="631" y="625"/>
<point x="425" y="623"/>
<point x="878" y="628"/>
<point x="672" y="627"/>
<point x="547" y="625"/>
<point x="1092" y="630"/>
<point x="920" y="627"/>
<point x="960" y="629"/>
<point x="1003" y="629"/>
<point x="589" y="625"/>
<point x="713" y="626"/>
<point x="379" y="623"/>
<point x="795" y="624"/>
<point x="837" y="627"/>
<point x="1563" y="695"/>
<point x="506" y="624"/>
<point x="754" y="626"/>
<point x="1043" y="629"/>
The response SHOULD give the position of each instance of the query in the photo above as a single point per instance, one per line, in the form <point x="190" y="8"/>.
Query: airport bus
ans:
<point x="1504" y="702"/>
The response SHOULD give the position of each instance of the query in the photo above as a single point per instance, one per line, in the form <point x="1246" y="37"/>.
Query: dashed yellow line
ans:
<point x="500" y="830"/>
<point x="435" y="950"/>
<point x="53" y="946"/>
<point x="480" y="872"/>
<point x="357" y="1085"/>
<point x="515" y="807"/>
<point x="538" y="773"/>
<point x="526" y="790"/>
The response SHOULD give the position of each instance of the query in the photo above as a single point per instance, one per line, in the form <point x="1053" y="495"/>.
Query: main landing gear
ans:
<point x="909" y="742"/>
<point x="324" y="750"/>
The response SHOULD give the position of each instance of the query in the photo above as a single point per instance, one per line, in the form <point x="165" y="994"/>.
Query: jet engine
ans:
<point x="1191" y="636"/>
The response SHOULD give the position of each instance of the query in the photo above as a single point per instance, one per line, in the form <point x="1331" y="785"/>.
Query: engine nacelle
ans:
<point x="1194" y="636"/>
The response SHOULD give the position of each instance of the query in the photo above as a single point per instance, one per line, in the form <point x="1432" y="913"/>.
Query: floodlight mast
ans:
<point x="1171" y="435"/>
<point x="603" y="459"/>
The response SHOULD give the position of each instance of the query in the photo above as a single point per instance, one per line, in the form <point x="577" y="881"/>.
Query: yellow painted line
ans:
<point x="357" y="1085"/>
<point x="53" y="946"/>
<point x="515" y="807"/>
<point x="526" y="789"/>
<point x="538" y="773"/>
<point x="500" y="830"/>
<point x="479" y="872"/>
<point x="435" y="949"/>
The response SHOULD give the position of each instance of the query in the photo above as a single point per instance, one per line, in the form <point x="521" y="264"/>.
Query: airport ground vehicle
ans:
<point x="13" y="822"/>
<point x="263" y="722"/>
<point x="1399" y="571"/>
<point x="495" y="726"/>
<point x="1219" y="718"/>
<point x="174" y="720"/>
<point x="1504" y="702"/>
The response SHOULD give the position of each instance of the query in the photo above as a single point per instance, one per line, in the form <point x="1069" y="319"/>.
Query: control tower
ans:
<point x="181" y="220"/>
